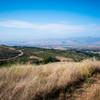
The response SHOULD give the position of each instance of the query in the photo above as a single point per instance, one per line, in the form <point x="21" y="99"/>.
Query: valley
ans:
<point x="35" y="55"/>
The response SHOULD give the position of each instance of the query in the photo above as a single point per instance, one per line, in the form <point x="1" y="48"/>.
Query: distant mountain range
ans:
<point x="84" y="41"/>
<point x="66" y="42"/>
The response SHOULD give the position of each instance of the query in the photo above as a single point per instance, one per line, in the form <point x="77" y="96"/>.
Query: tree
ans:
<point x="49" y="59"/>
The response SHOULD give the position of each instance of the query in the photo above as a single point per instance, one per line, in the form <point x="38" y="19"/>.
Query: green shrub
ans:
<point x="49" y="59"/>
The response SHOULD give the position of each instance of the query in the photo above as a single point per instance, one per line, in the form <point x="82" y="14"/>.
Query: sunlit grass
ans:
<point x="26" y="82"/>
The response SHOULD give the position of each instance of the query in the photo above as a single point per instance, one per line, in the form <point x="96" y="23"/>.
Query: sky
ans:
<point x="47" y="19"/>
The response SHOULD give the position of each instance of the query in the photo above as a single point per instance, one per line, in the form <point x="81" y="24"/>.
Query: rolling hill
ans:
<point x="70" y="78"/>
<point x="7" y="52"/>
<point x="33" y="55"/>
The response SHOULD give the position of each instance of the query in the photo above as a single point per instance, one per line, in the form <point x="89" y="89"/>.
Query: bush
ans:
<point x="49" y="59"/>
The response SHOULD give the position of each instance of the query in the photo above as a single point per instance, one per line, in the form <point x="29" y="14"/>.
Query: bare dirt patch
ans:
<point x="87" y="91"/>
<point x="64" y="59"/>
<point x="35" y="57"/>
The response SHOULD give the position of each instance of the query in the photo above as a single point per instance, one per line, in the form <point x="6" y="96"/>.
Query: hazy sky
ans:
<point x="39" y="19"/>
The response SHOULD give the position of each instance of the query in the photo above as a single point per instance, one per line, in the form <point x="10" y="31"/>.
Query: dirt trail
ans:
<point x="87" y="91"/>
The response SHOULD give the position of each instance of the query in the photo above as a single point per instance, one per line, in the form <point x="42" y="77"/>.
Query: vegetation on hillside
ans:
<point x="38" y="56"/>
<point x="75" y="55"/>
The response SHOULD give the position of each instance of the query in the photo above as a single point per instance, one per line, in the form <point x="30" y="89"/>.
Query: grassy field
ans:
<point x="49" y="74"/>
<point x="55" y="81"/>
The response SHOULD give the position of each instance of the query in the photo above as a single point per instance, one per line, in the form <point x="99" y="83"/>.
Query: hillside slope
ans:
<point x="46" y="82"/>
<point x="7" y="52"/>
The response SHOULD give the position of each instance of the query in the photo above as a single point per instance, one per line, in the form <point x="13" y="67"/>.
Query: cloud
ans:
<point x="16" y="24"/>
<point x="52" y="27"/>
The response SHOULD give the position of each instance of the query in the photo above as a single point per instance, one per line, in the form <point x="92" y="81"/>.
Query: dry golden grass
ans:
<point x="31" y="82"/>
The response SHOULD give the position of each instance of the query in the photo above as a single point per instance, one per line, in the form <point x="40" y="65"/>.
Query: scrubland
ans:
<point x="44" y="82"/>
